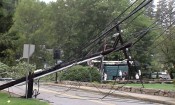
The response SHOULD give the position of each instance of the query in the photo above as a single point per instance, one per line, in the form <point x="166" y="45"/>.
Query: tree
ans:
<point x="7" y="40"/>
<point x="29" y="19"/>
<point x="70" y="25"/>
<point x="136" y="28"/>
<point x="81" y="22"/>
<point x="4" y="70"/>
<point x="163" y="53"/>
<point x="150" y="10"/>
<point x="161" y="12"/>
<point x="31" y="23"/>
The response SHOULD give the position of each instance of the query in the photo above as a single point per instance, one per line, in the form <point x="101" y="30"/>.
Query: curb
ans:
<point x="117" y="94"/>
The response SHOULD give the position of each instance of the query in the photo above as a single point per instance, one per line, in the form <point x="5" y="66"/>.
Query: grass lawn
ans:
<point x="155" y="86"/>
<point x="6" y="100"/>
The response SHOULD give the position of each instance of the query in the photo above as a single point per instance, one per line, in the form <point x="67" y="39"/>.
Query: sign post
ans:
<point x="27" y="52"/>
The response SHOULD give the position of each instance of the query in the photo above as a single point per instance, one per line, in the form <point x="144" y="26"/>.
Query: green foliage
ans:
<point x="7" y="40"/>
<point x="7" y="51"/>
<point x="5" y="99"/>
<point x="4" y="70"/>
<point x="32" y="25"/>
<point x="6" y="14"/>
<point x="70" y="24"/>
<point x="3" y="67"/>
<point x="50" y="78"/>
<point x="81" y="73"/>
<point x="174" y="82"/>
<point x="29" y="19"/>
<point x="164" y="51"/>
<point x="21" y="69"/>
<point x="75" y="23"/>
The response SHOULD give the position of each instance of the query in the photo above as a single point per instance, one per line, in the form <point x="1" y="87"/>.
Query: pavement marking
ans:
<point x="73" y="96"/>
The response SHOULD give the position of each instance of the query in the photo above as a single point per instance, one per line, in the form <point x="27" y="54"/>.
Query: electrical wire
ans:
<point x="116" y="19"/>
<point x="140" y="80"/>
<point x="143" y="4"/>
<point x="135" y="43"/>
<point x="79" y="87"/>
<point x="137" y="15"/>
<point x="110" y="92"/>
<point x="89" y="98"/>
<point x="136" y="68"/>
<point x="139" y="39"/>
<point x="140" y="6"/>
<point x="145" y="33"/>
<point x="108" y="30"/>
<point x="111" y="23"/>
<point x="128" y="24"/>
<point x="164" y="31"/>
<point x="161" y="35"/>
<point x="129" y="15"/>
<point x="70" y="88"/>
<point x="168" y="26"/>
<point x="153" y="48"/>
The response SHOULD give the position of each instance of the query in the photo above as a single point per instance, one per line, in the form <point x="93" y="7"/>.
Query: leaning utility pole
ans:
<point x="125" y="52"/>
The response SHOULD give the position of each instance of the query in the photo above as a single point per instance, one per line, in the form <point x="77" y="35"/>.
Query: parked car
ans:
<point x="161" y="75"/>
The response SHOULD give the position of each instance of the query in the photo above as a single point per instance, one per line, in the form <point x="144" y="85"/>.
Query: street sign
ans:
<point x="28" y="50"/>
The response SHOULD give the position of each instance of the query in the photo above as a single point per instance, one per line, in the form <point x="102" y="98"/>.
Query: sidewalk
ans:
<point x="145" y="97"/>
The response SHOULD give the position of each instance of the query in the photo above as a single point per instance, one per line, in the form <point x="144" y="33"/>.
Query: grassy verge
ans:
<point x="155" y="86"/>
<point x="5" y="99"/>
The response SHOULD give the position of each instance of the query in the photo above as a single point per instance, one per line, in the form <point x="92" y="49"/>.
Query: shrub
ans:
<point x="174" y="82"/>
<point x="4" y="69"/>
<point x="20" y="69"/>
<point x="81" y="73"/>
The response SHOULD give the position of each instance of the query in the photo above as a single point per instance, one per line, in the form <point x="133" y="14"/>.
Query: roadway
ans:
<point x="58" y="95"/>
<point x="71" y="96"/>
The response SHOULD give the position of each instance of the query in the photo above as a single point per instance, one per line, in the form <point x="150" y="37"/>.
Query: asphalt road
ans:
<point x="57" y="95"/>
<point x="69" y="96"/>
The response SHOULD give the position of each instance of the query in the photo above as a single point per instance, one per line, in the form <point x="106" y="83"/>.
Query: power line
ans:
<point x="136" y="17"/>
<point x="114" y="21"/>
<point x="159" y="37"/>
<point x="106" y="31"/>
<point x="112" y="27"/>
<point x="131" y="13"/>
<point x="164" y="30"/>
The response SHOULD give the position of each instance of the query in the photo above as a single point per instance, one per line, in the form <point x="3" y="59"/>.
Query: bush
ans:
<point x="4" y="70"/>
<point x="81" y="73"/>
<point x="20" y="69"/>
<point x="174" y="82"/>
